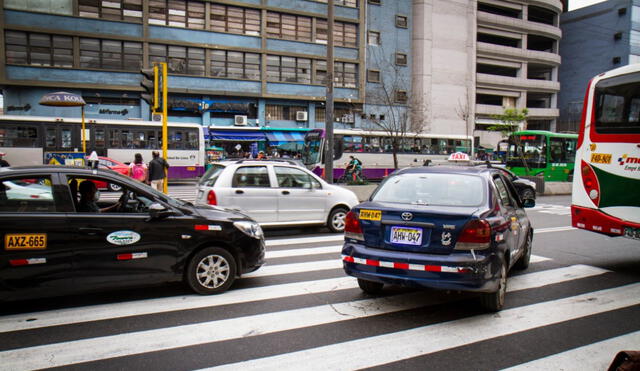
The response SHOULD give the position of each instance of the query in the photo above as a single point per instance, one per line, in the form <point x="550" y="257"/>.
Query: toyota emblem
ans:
<point x="407" y="216"/>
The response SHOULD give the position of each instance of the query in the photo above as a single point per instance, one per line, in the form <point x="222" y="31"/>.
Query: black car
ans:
<point x="526" y="188"/>
<point x="445" y="227"/>
<point x="53" y="244"/>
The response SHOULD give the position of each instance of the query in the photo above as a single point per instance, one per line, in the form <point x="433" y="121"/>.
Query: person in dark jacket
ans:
<point x="3" y="162"/>
<point x="157" y="168"/>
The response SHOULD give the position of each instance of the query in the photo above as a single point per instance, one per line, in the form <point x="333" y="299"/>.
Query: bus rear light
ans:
<point x="211" y="198"/>
<point x="590" y="182"/>
<point x="352" y="228"/>
<point x="476" y="235"/>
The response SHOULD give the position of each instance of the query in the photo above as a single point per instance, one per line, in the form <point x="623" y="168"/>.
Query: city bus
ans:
<point x="606" y="196"/>
<point x="374" y="150"/>
<point x="543" y="154"/>
<point x="30" y="140"/>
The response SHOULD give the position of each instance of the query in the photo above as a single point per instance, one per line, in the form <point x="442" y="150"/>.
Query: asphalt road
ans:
<point x="574" y="308"/>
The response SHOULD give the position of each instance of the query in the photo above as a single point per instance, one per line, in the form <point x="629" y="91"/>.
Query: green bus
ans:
<point x="543" y="154"/>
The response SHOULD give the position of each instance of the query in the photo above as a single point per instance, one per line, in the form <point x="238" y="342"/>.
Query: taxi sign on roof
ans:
<point x="459" y="156"/>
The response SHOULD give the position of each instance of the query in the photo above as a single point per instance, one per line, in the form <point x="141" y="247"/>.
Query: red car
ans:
<point x="111" y="164"/>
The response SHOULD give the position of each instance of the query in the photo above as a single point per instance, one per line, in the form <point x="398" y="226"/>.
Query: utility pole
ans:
<point x="328" y="150"/>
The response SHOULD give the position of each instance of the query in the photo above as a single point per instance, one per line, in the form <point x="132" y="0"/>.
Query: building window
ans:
<point x="289" y="27"/>
<point x="347" y="3"/>
<point x="179" y="59"/>
<point x="375" y="2"/>
<point x="401" y="59"/>
<point x="622" y="11"/>
<point x="177" y="13"/>
<point x="119" y="10"/>
<point x="235" y="65"/>
<point x="38" y="49"/>
<point x="402" y="21"/>
<point x="373" y="38"/>
<point x="344" y="34"/>
<point x="288" y="69"/>
<point x="110" y="54"/>
<point x="234" y="19"/>
<point x="401" y="96"/>
<point x="346" y="74"/>
<point x="373" y="75"/>
<point x="280" y="112"/>
<point x="615" y="60"/>
<point x="617" y="36"/>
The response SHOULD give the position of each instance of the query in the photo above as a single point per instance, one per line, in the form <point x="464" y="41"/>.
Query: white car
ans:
<point x="275" y="193"/>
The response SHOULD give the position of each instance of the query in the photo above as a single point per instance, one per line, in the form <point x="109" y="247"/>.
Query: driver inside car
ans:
<point x="88" y="204"/>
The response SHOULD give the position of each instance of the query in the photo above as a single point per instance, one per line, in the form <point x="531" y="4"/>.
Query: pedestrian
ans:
<point x="138" y="169"/>
<point x="3" y="162"/>
<point x="157" y="168"/>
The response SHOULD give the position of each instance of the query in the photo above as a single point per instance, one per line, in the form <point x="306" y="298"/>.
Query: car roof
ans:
<point x="448" y="169"/>
<point x="54" y="169"/>
<point x="261" y="162"/>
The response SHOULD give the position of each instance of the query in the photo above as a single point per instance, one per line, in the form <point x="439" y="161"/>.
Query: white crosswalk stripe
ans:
<point x="551" y="209"/>
<point x="311" y="256"/>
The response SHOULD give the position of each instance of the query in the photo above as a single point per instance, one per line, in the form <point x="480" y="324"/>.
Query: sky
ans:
<point x="576" y="4"/>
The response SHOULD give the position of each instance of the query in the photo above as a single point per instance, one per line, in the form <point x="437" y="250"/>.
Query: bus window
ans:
<point x="114" y="138"/>
<point x="192" y="140"/>
<point x="353" y="143"/>
<point x="617" y="107"/>
<point x="99" y="138"/>
<point x="65" y="138"/>
<point x="140" y="140"/>
<point x="50" y="138"/>
<point x="126" y="138"/>
<point x="530" y="148"/>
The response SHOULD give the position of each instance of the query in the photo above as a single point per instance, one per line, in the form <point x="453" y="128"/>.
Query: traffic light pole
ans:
<point x="165" y="103"/>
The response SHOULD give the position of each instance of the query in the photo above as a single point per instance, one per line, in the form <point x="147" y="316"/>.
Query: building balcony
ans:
<point x="488" y="110"/>
<point x="503" y="82"/>
<point x="492" y="50"/>
<point x="518" y="25"/>
<point x="543" y="113"/>
<point x="555" y="4"/>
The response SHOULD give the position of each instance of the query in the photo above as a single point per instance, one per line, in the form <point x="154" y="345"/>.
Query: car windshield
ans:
<point x="211" y="175"/>
<point x="432" y="189"/>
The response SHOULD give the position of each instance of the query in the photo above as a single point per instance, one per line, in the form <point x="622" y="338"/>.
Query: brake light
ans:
<point x="211" y="198"/>
<point x="590" y="182"/>
<point x="476" y="235"/>
<point x="352" y="228"/>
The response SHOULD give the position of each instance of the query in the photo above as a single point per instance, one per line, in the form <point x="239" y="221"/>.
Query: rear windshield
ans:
<point x="618" y="105"/>
<point x="211" y="175"/>
<point x="433" y="189"/>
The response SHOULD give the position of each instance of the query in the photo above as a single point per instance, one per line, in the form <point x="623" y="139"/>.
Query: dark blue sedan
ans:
<point x="443" y="227"/>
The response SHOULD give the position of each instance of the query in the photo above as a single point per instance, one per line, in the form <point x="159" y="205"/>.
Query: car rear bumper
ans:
<point x="460" y="272"/>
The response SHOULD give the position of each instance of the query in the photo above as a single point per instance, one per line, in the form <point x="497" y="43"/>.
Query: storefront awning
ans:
<point x="276" y="138"/>
<point x="228" y="135"/>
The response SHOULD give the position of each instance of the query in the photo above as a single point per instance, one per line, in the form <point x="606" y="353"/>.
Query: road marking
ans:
<point x="93" y="349"/>
<point x="596" y="356"/>
<point x="411" y="343"/>
<point x="300" y="252"/>
<point x="554" y="229"/>
<point x="303" y="240"/>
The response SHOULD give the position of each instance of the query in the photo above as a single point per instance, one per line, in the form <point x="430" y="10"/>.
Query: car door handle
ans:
<point x="285" y="192"/>
<point x="90" y="231"/>
<point x="239" y="191"/>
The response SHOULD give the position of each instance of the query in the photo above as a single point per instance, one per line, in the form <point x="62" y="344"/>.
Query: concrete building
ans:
<point x="595" y="39"/>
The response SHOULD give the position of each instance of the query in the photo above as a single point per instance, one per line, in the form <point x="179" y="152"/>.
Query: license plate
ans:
<point x="25" y="241"/>
<point x="406" y="236"/>
<point x="633" y="233"/>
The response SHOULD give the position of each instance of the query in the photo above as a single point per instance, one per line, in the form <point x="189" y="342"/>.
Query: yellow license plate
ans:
<point x="600" y="158"/>
<point x="25" y="241"/>
<point x="370" y="214"/>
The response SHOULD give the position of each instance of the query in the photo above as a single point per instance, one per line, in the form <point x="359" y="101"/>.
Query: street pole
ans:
<point x="328" y="150"/>
<point x="165" y="103"/>
<point x="84" y="143"/>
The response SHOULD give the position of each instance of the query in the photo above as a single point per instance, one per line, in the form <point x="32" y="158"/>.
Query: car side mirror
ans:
<point x="157" y="211"/>
<point x="529" y="202"/>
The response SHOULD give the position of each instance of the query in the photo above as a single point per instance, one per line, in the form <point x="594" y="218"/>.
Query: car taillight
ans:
<point x="211" y="198"/>
<point x="590" y="182"/>
<point x="476" y="235"/>
<point x="352" y="228"/>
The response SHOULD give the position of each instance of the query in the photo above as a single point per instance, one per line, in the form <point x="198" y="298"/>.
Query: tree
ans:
<point x="511" y="120"/>
<point x="400" y="112"/>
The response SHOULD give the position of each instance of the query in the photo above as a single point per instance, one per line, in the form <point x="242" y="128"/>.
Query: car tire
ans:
<point x="523" y="262"/>
<point x="528" y="194"/>
<point x="370" y="287"/>
<point x="212" y="270"/>
<point x="114" y="187"/>
<point x="494" y="301"/>
<point x="336" y="220"/>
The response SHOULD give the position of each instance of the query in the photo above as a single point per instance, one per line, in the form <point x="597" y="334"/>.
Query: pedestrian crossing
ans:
<point x="551" y="209"/>
<point x="321" y="320"/>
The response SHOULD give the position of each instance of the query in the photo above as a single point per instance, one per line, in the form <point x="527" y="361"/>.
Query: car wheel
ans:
<point x="523" y="262"/>
<point x="114" y="187"/>
<point x="370" y="287"/>
<point x="336" y="220"/>
<point x="528" y="194"/>
<point x="494" y="301"/>
<point x="211" y="271"/>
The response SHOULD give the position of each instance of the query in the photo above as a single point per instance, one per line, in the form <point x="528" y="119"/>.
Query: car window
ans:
<point x="289" y="177"/>
<point x="211" y="175"/>
<point x="251" y="176"/>
<point x="503" y="193"/>
<point x="131" y="201"/>
<point x="433" y="189"/>
<point x="23" y="195"/>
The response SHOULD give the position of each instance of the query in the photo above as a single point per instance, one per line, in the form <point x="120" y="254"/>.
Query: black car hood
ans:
<point x="216" y="212"/>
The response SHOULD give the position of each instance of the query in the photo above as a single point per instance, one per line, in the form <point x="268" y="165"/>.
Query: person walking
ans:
<point x="138" y="169"/>
<point x="157" y="168"/>
<point x="3" y="162"/>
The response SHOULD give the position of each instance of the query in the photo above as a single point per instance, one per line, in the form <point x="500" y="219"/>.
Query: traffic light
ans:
<point x="150" y="84"/>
